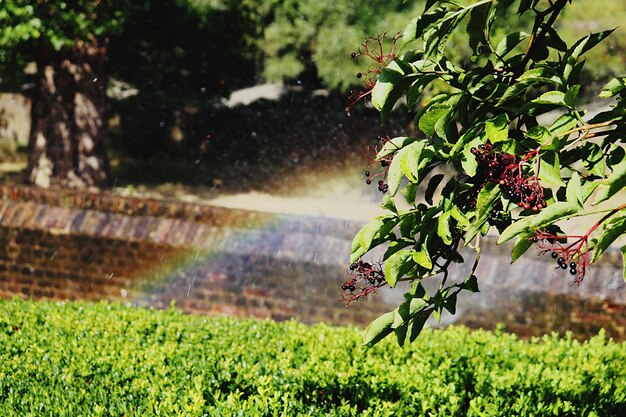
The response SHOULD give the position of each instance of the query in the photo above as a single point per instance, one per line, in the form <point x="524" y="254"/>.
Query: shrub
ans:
<point x="72" y="359"/>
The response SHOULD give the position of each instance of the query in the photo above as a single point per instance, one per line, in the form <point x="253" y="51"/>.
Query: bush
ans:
<point x="71" y="359"/>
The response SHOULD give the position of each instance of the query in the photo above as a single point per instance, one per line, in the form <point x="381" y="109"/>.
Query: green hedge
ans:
<point x="73" y="359"/>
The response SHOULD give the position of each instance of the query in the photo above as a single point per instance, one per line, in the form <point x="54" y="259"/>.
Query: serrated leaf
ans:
<point x="459" y="216"/>
<point x="550" y="168"/>
<point x="613" y="87"/>
<point x="514" y="229"/>
<point x="366" y="235"/>
<point x="574" y="192"/>
<point x="378" y="329"/>
<point x="551" y="97"/>
<point x="468" y="162"/>
<point x="450" y="303"/>
<point x="390" y="86"/>
<point x="418" y="26"/>
<point x="557" y="211"/>
<point x="470" y="284"/>
<point x="509" y="42"/>
<point x="615" y="182"/>
<point x="422" y="258"/>
<point x="476" y="26"/>
<point x="580" y="47"/>
<point x="394" y="145"/>
<point x="396" y="266"/>
<point x="521" y="246"/>
<point x="443" y="227"/>
<point x="487" y="197"/>
<point x="613" y="230"/>
<point x="389" y="204"/>
<point x="539" y="134"/>
<point x="408" y="161"/>
<point x="429" y="119"/>
<point x="571" y="96"/>
<point x="410" y="192"/>
<point x="497" y="129"/>
<point x="407" y="310"/>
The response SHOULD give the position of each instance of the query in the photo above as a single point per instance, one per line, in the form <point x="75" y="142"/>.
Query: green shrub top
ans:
<point x="73" y="359"/>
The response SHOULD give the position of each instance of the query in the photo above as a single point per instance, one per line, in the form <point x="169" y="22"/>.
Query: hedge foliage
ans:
<point x="73" y="359"/>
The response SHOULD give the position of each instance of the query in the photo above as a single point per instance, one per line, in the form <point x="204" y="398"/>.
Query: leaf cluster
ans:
<point x="517" y="98"/>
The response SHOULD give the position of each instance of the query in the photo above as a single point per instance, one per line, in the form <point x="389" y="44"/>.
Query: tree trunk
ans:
<point x="66" y="143"/>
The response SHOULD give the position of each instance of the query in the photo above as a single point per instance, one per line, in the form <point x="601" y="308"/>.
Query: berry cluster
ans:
<point x="366" y="278"/>
<point x="374" y="49"/>
<point x="507" y="170"/>
<point x="562" y="263"/>
<point x="384" y="162"/>
<point x="569" y="256"/>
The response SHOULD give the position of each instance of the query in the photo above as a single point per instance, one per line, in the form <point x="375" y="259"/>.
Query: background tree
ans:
<point x="167" y="50"/>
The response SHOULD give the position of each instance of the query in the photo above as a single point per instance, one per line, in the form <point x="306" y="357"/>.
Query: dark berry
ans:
<point x="554" y="255"/>
<point x="572" y="265"/>
<point x="353" y="55"/>
<point x="563" y="266"/>
<point x="359" y="75"/>
<point x="573" y="271"/>
<point x="367" y="173"/>
<point x="380" y="183"/>
<point x="368" y="181"/>
<point x="561" y="260"/>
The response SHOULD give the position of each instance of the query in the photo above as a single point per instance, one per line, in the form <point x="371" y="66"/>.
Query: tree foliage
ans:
<point x="490" y="156"/>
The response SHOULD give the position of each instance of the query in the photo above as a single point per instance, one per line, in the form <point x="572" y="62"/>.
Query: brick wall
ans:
<point x="59" y="244"/>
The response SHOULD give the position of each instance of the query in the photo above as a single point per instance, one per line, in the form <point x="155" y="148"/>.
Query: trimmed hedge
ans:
<point x="73" y="359"/>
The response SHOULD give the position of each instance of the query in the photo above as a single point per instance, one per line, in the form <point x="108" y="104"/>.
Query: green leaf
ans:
<point x="389" y="204"/>
<point x="557" y="211"/>
<point x="423" y="258"/>
<point x="579" y="48"/>
<point x="613" y="87"/>
<point x="487" y="197"/>
<point x="517" y="227"/>
<point x="379" y="329"/>
<point x="476" y="26"/>
<point x="468" y="162"/>
<point x="551" y="97"/>
<point x="539" y="134"/>
<point x="615" y="182"/>
<point x="429" y="119"/>
<point x="394" y="145"/>
<point x="574" y="192"/>
<point x="470" y="284"/>
<point x="396" y="266"/>
<point x="497" y="129"/>
<point x="408" y="161"/>
<point x="410" y="192"/>
<point x="613" y="230"/>
<point x="443" y="227"/>
<point x="390" y="86"/>
<point x="459" y="217"/>
<point x="407" y="310"/>
<point x="571" y="97"/>
<point x="521" y="246"/>
<point x="417" y="27"/>
<point x="509" y="42"/>
<point x="550" y="168"/>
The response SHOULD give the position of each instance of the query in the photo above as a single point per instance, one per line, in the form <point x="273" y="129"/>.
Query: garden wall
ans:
<point x="63" y="244"/>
